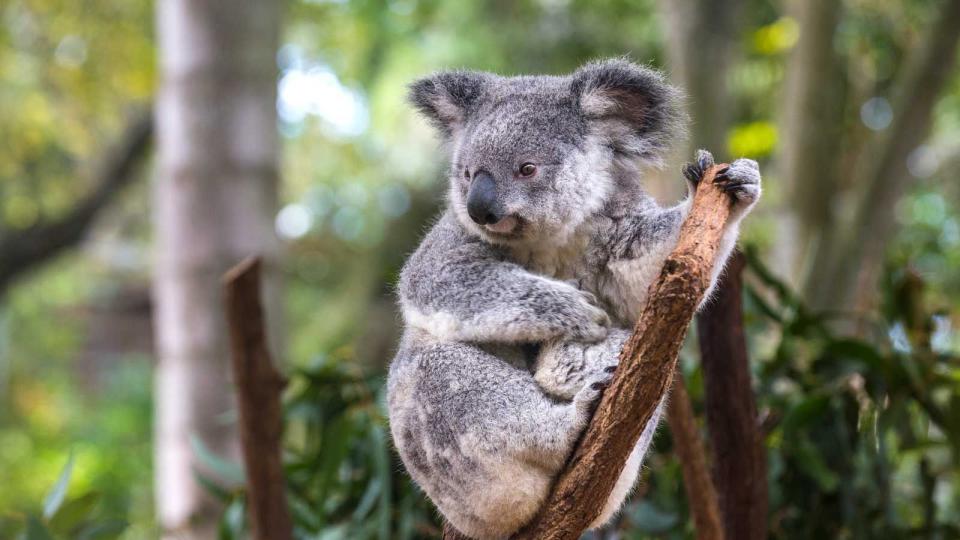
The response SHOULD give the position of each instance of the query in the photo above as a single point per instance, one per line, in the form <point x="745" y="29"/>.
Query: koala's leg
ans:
<point x="564" y="366"/>
<point x="562" y="369"/>
<point x="467" y="292"/>
<point x="478" y="435"/>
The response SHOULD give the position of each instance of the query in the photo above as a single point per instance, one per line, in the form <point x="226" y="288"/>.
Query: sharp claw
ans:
<point x="723" y="170"/>
<point x="610" y="369"/>
<point x="692" y="173"/>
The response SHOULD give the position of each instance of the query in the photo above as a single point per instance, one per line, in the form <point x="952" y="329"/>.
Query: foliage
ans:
<point x="344" y="481"/>
<point x="75" y="518"/>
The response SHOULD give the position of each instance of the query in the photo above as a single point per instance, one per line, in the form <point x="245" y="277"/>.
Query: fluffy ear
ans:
<point x="633" y="107"/>
<point x="448" y="98"/>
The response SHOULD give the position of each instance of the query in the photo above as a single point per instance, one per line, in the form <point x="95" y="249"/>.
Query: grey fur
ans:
<point x="512" y="334"/>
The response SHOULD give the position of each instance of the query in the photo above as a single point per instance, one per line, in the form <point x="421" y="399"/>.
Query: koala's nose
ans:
<point x="482" y="202"/>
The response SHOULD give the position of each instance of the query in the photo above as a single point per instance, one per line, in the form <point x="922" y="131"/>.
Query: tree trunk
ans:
<point x="701" y="47"/>
<point x="739" y="455"/>
<point x="214" y="199"/>
<point x="701" y="494"/>
<point x="812" y="131"/>
<point x="848" y="278"/>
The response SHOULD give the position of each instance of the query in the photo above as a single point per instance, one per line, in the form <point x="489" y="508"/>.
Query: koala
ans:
<point x="517" y="301"/>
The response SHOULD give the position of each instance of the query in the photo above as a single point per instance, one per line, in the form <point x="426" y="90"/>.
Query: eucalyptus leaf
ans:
<point x="56" y="495"/>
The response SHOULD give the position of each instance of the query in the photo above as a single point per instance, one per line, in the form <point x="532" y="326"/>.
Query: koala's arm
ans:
<point x="458" y="289"/>
<point x="642" y="240"/>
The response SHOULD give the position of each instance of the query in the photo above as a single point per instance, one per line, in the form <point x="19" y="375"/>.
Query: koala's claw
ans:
<point x="587" y="398"/>
<point x="741" y="180"/>
<point x="693" y="172"/>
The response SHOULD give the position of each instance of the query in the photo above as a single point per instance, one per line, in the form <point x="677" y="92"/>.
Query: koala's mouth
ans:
<point x="505" y="226"/>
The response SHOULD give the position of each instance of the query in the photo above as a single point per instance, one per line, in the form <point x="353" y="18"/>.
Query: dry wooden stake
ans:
<point x="646" y="370"/>
<point x="259" y="387"/>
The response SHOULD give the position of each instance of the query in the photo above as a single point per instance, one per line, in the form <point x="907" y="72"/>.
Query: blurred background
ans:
<point x="146" y="148"/>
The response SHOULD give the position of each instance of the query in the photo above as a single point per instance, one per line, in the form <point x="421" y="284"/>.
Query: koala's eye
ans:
<point x="466" y="173"/>
<point x="527" y="170"/>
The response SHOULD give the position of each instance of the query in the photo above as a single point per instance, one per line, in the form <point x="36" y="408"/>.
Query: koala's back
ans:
<point x="458" y="415"/>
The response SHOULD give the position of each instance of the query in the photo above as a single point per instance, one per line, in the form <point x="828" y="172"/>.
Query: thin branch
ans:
<point x="259" y="388"/>
<point x="644" y="375"/>
<point x="24" y="250"/>
<point x="701" y="494"/>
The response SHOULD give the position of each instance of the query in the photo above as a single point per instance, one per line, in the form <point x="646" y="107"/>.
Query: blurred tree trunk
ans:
<point x="812" y="131"/>
<point x="701" y="47"/>
<point x="848" y="277"/>
<point x="214" y="199"/>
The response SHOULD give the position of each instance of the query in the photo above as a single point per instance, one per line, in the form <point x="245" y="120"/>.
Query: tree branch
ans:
<point x="701" y="494"/>
<point x="739" y="456"/>
<point x="644" y="375"/>
<point x="259" y="387"/>
<point x="24" y="250"/>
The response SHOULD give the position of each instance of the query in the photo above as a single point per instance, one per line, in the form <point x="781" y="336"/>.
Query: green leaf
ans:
<point x="234" y="520"/>
<point x="56" y="495"/>
<point x="212" y="487"/>
<point x="74" y="512"/>
<point x="36" y="530"/>
<point x="227" y="470"/>
<point x="810" y="409"/>
<point x="811" y="462"/>
<point x="105" y="530"/>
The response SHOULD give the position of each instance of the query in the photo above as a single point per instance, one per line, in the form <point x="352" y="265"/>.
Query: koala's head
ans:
<point x="533" y="157"/>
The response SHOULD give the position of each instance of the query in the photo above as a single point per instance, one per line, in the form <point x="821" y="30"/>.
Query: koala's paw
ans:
<point x="589" y="323"/>
<point x="742" y="181"/>
<point x="693" y="172"/>
<point x="588" y="397"/>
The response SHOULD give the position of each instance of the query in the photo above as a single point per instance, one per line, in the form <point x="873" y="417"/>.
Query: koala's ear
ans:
<point x="448" y="98"/>
<point x="633" y="107"/>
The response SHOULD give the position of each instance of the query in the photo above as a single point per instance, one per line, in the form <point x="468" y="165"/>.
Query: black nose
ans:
<point x="482" y="202"/>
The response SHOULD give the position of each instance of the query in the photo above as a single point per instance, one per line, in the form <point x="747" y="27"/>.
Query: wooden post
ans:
<point x="739" y="455"/>
<point x="646" y="370"/>
<point x="259" y="387"/>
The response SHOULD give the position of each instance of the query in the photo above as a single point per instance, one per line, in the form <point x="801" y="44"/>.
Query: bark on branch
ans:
<point x="259" y="386"/>
<point x="645" y="374"/>
<point x="687" y="445"/>
<point x="21" y="251"/>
